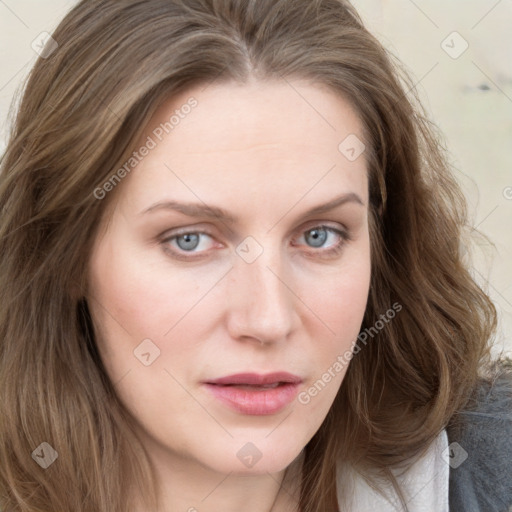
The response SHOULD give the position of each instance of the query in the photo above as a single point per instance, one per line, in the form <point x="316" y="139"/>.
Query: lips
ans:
<point x="254" y="379"/>
<point x="255" y="394"/>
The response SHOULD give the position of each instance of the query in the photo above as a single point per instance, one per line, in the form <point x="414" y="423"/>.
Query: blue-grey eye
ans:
<point x="318" y="236"/>
<point x="190" y="241"/>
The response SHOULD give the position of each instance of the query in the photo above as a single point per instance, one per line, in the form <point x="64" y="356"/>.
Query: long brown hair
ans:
<point x="83" y="107"/>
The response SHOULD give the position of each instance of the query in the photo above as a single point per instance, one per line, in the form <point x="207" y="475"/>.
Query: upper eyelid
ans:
<point x="306" y="226"/>
<point x="198" y="229"/>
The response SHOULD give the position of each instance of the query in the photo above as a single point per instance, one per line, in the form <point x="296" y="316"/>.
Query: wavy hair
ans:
<point x="81" y="110"/>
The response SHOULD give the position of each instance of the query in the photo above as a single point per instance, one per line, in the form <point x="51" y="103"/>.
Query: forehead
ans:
<point x="230" y="115"/>
<point x="259" y="139"/>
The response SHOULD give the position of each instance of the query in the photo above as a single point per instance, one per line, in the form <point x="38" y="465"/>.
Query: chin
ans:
<point x="255" y="458"/>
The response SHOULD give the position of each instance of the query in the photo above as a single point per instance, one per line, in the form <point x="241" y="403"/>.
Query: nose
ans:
<point x="261" y="299"/>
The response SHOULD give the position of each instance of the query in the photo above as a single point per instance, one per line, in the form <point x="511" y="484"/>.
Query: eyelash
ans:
<point x="334" y="251"/>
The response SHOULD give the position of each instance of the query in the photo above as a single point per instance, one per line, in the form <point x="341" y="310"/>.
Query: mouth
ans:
<point x="255" y="394"/>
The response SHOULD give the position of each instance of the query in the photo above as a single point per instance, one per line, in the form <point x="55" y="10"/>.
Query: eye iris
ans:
<point x="191" y="241"/>
<point x="319" y="236"/>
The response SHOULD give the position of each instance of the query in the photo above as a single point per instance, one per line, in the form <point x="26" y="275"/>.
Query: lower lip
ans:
<point x="257" y="401"/>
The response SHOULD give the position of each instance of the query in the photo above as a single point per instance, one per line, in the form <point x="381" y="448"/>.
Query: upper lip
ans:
<point x="255" y="379"/>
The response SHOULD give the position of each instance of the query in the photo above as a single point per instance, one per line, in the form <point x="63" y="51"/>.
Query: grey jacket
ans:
<point x="481" y="478"/>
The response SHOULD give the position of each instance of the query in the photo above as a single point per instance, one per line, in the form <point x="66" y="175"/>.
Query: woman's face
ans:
<point x="181" y="298"/>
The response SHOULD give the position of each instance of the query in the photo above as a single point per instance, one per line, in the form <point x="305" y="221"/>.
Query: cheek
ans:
<point x="137" y="296"/>
<point x="338" y="307"/>
<point x="138" y="289"/>
<point x="341" y="306"/>
<point x="339" y="300"/>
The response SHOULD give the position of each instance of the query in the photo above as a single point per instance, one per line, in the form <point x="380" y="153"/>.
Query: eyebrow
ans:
<point x="204" y="210"/>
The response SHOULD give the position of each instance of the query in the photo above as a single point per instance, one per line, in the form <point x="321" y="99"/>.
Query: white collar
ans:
<point x="424" y="484"/>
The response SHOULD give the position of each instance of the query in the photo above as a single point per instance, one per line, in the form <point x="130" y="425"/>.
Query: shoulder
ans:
<point x="480" y="438"/>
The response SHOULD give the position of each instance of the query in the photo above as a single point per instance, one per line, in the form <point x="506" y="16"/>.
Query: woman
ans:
<point x="232" y="275"/>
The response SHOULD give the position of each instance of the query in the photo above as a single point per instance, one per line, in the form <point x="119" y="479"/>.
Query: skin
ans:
<point x="264" y="154"/>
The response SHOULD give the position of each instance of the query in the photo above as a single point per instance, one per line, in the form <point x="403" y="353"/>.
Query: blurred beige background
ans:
<point x="460" y="55"/>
